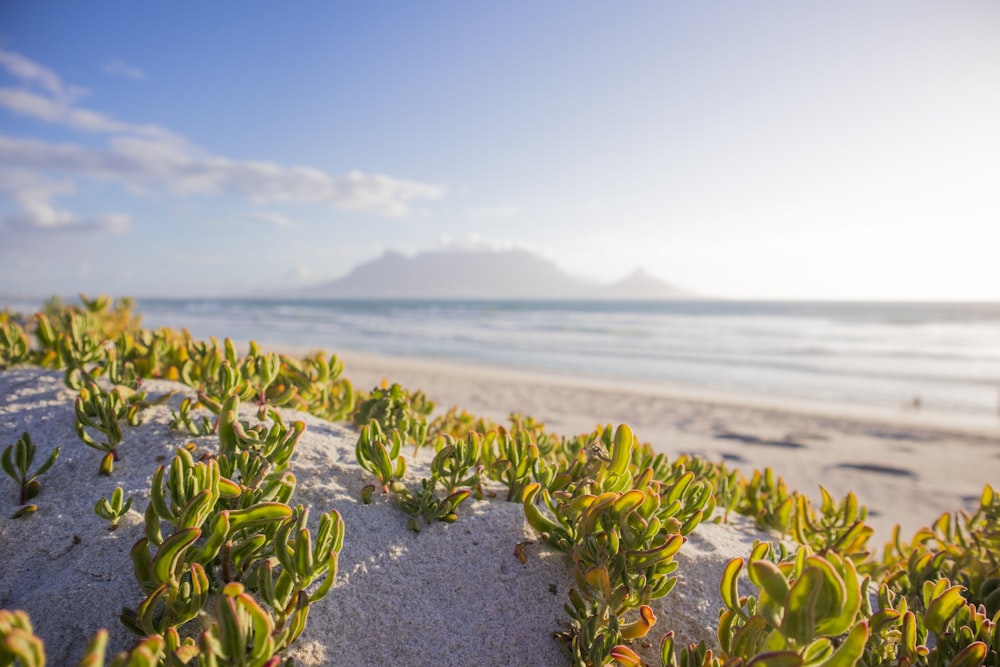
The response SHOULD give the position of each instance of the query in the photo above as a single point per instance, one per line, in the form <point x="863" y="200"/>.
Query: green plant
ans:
<point x="114" y="509"/>
<point x="230" y="533"/>
<point x="380" y="455"/>
<point x="16" y="461"/>
<point x="808" y="609"/>
<point x="395" y="408"/>
<point x="18" y="642"/>
<point x="26" y="510"/>
<point x="457" y="463"/>
<point x="838" y="526"/>
<point x="103" y="411"/>
<point x="183" y="420"/>
<point x="426" y="504"/>
<point x="621" y="528"/>
<point x="319" y="387"/>
<point x="14" y="347"/>
<point x="274" y="444"/>
<point x="961" y="547"/>
<point x="512" y="460"/>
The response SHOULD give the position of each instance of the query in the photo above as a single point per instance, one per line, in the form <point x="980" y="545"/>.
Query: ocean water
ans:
<point x="883" y="354"/>
<point x="876" y="354"/>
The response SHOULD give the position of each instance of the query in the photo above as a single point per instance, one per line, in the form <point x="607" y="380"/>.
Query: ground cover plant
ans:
<point x="224" y="542"/>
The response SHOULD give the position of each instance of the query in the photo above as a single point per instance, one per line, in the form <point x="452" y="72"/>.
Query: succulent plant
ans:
<point x="621" y="528"/>
<point x="808" y="611"/>
<point x="457" y="423"/>
<point x="512" y="460"/>
<point x="426" y="504"/>
<point x="380" y="455"/>
<point x="18" y="642"/>
<point x="319" y="387"/>
<point x="114" y="509"/>
<point x="395" y="408"/>
<point x="961" y="547"/>
<point x="457" y="463"/>
<point x="184" y="421"/>
<point x="16" y="462"/>
<point x="276" y="443"/>
<point x="838" y="526"/>
<point x="103" y="411"/>
<point x="14" y="346"/>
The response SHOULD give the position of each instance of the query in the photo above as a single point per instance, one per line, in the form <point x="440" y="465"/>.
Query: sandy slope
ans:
<point x="450" y="595"/>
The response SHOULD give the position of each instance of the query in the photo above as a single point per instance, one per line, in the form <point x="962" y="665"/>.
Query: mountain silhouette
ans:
<point x="507" y="274"/>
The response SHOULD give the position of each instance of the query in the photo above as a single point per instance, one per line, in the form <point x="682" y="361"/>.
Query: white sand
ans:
<point x="451" y="595"/>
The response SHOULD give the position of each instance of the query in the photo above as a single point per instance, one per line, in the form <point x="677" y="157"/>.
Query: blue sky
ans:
<point x="846" y="150"/>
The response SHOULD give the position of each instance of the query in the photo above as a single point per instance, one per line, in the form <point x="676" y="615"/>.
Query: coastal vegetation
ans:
<point x="224" y="543"/>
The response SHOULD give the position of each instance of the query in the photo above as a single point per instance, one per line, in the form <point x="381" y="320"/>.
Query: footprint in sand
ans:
<point x="878" y="469"/>
<point x="754" y="440"/>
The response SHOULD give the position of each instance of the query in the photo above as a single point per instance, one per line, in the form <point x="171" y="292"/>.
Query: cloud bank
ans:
<point x="148" y="159"/>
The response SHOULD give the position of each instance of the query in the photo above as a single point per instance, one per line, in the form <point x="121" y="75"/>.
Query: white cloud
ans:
<point x="33" y="195"/>
<point x="31" y="72"/>
<point x="148" y="159"/>
<point x="59" y="112"/>
<point x="120" y="68"/>
<point x="146" y="165"/>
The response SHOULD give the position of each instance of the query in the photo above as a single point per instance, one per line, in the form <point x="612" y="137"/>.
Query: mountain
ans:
<point x="508" y="274"/>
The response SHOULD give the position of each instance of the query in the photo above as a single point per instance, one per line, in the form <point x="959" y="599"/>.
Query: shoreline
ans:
<point x="366" y="362"/>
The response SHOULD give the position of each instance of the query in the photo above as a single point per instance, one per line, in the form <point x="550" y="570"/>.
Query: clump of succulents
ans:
<point x="621" y="528"/>
<point x="230" y="532"/>
<point x="456" y="468"/>
<point x="15" y="347"/>
<point x="395" y="408"/>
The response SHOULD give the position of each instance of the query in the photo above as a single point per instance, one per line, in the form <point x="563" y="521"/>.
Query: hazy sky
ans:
<point x="844" y="149"/>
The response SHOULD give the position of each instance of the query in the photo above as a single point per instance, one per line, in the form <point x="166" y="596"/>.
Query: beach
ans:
<point x="454" y="594"/>
<point x="906" y="465"/>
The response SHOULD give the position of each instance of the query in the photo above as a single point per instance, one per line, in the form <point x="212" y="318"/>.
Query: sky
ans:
<point x="768" y="150"/>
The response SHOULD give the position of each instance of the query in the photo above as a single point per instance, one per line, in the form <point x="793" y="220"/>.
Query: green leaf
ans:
<point x="728" y="587"/>
<point x="818" y="651"/>
<point x="24" y="646"/>
<point x="799" y="622"/>
<point x="850" y="652"/>
<point x="168" y="556"/>
<point x="942" y="608"/>
<point x="972" y="655"/>
<point x="768" y="576"/>
<point x="94" y="655"/>
<point x="621" y="450"/>
<point x="258" y="514"/>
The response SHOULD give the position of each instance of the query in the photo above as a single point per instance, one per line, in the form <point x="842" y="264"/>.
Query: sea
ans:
<point x="943" y="356"/>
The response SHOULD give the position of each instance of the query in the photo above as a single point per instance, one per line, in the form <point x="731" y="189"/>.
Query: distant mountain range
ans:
<point x="508" y="274"/>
